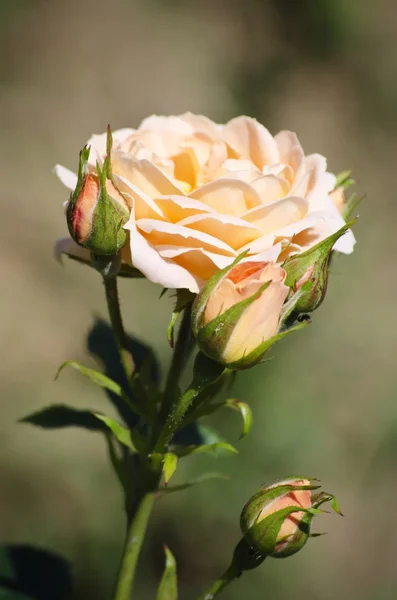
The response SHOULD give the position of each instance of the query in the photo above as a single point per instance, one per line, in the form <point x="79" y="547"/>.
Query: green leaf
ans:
<point x="169" y="466"/>
<point x="96" y="377"/>
<point x="117" y="460"/>
<point x="245" y="412"/>
<point x="168" y="588"/>
<point x="59" y="416"/>
<point x="99" y="379"/>
<point x="184" y="486"/>
<point x="217" y="449"/>
<point x="183" y="298"/>
<point x="121" y="433"/>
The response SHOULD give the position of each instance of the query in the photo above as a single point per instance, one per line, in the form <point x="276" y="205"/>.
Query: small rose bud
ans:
<point x="96" y="211"/>
<point x="277" y="520"/>
<point x="308" y="272"/>
<point x="236" y="316"/>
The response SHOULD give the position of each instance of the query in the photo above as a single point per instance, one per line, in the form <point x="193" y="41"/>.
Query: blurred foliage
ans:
<point x="324" y="406"/>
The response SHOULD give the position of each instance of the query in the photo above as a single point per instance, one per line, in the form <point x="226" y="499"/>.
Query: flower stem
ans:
<point x="112" y="299"/>
<point x="183" y="348"/>
<point x="228" y="576"/>
<point x="133" y="542"/>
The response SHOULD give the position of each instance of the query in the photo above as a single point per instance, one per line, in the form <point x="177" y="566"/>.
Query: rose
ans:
<point x="236" y="318"/>
<point x="199" y="194"/>
<point x="272" y="522"/>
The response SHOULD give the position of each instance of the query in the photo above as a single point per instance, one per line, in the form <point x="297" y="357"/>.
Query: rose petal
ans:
<point x="291" y="153"/>
<point x="251" y="140"/>
<point x="68" y="178"/>
<point x="161" y="233"/>
<point x="201" y="263"/>
<point x="270" y="217"/>
<point x="156" y="268"/>
<point x="231" y="230"/>
<point x="176" y="208"/>
<point x="228" y="196"/>
<point x="271" y="188"/>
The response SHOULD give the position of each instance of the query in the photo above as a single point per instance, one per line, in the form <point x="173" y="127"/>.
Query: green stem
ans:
<point x="112" y="299"/>
<point x="182" y="350"/>
<point x="228" y="576"/>
<point x="132" y="547"/>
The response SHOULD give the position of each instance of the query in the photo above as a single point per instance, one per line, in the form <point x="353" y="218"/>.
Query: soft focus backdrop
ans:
<point x="325" y="406"/>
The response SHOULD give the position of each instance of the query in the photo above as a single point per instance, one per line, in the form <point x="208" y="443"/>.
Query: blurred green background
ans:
<point x="325" y="406"/>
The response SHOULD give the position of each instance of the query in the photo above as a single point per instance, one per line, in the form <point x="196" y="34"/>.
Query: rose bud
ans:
<point x="277" y="520"/>
<point x="311" y="268"/>
<point x="237" y="315"/>
<point x="96" y="211"/>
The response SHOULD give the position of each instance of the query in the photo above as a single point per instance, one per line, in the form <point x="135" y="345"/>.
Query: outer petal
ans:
<point x="250" y="140"/>
<point x="201" y="263"/>
<point x="156" y="268"/>
<point x="160" y="233"/>
<point x="231" y="230"/>
<point x="68" y="178"/>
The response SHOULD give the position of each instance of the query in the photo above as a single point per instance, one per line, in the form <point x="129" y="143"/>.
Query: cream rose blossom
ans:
<point x="200" y="194"/>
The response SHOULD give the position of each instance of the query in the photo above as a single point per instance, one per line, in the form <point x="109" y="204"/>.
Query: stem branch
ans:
<point x="133" y="542"/>
<point x="112" y="299"/>
<point x="228" y="576"/>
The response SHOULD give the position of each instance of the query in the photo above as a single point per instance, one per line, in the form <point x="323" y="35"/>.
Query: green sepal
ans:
<point x="263" y="535"/>
<point x="216" y="449"/>
<point x="188" y="484"/>
<point x="323" y="497"/>
<point x="183" y="298"/>
<point x="168" y="588"/>
<point x="315" y="263"/>
<point x="343" y="180"/>
<point x="351" y="204"/>
<point x="266" y="496"/>
<point x="169" y="466"/>
<point x="202" y="297"/>
<point x="82" y="171"/>
<point x="213" y="337"/>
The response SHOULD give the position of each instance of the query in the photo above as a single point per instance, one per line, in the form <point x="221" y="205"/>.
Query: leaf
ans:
<point x="169" y="466"/>
<point x="93" y="375"/>
<point x="30" y="573"/>
<point x="168" y="589"/>
<point x="217" y="449"/>
<point x="59" y="416"/>
<point x="183" y="298"/>
<point x="189" y="484"/>
<point x="245" y="411"/>
<point x="121" y="433"/>
<point x="99" y="379"/>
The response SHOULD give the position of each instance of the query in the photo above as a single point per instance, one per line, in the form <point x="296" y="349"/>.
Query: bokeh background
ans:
<point x="325" y="405"/>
